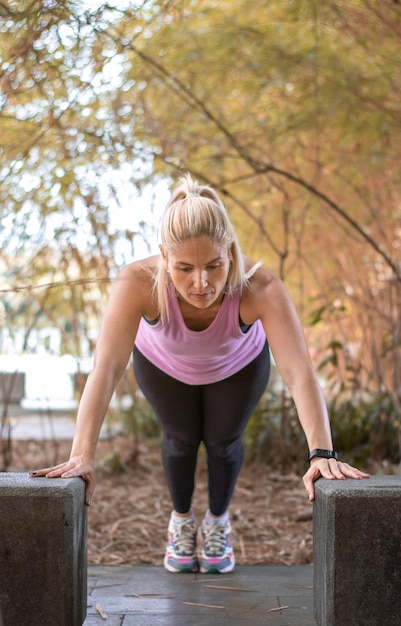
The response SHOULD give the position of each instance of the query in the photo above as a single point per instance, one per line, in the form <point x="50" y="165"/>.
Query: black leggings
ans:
<point x="215" y="414"/>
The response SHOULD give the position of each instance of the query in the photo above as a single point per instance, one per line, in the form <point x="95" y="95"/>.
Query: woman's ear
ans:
<point x="164" y="256"/>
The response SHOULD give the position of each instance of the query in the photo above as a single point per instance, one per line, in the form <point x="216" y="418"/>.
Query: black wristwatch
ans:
<point x="325" y="454"/>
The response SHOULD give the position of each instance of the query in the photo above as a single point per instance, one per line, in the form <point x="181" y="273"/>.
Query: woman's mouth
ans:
<point x="201" y="296"/>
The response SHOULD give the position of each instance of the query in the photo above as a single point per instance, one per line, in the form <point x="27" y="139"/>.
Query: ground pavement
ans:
<point x="253" y="595"/>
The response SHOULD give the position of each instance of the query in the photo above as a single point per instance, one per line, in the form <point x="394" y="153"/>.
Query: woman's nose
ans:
<point x="200" y="279"/>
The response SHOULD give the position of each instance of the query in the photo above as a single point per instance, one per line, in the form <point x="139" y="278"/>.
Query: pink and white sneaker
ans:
<point x="181" y="547"/>
<point x="217" y="552"/>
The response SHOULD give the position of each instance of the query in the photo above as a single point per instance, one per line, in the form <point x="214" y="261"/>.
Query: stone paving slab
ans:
<point x="150" y="596"/>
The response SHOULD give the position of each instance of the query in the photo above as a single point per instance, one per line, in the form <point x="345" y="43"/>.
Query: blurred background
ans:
<point x="290" y="109"/>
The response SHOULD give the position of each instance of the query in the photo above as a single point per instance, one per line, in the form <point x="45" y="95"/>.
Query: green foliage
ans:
<point x="366" y="428"/>
<point x="137" y="421"/>
<point x="141" y="420"/>
<point x="273" y="434"/>
<point x="112" y="463"/>
<point x="138" y="424"/>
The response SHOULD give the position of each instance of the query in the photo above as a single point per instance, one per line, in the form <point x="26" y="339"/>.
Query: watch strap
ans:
<point x="325" y="454"/>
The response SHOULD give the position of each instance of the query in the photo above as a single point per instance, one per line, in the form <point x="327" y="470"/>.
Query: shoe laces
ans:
<point x="184" y="537"/>
<point x="214" y="538"/>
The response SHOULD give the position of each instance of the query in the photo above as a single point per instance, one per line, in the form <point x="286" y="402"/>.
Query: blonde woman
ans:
<point x="201" y="320"/>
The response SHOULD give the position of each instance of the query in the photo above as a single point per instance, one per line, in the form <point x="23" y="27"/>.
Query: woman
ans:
<point x="200" y="319"/>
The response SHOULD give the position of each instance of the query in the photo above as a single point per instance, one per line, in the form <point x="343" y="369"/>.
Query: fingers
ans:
<point x="71" y="470"/>
<point x="310" y="477"/>
<point x="88" y="475"/>
<point x="90" y="488"/>
<point x="49" y="472"/>
<point x="332" y="470"/>
<point x="353" y="472"/>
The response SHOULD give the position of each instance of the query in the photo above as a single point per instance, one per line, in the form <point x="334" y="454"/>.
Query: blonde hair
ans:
<point x="195" y="211"/>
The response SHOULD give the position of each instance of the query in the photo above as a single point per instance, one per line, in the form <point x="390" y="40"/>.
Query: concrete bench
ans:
<point x="43" y="551"/>
<point x="357" y="552"/>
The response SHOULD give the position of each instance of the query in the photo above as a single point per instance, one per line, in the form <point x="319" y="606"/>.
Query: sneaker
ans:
<point x="181" y="547"/>
<point x="217" y="552"/>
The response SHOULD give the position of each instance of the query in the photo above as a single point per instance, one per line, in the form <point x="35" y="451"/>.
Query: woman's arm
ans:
<point x="268" y="300"/>
<point x="131" y="298"/>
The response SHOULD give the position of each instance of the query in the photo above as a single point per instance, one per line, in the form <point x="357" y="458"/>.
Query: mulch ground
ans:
<point x="270" y="512"/>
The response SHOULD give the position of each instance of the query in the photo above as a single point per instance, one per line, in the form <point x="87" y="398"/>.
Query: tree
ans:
<point x="292" y="112"/>
<point x="64" y="170"/>
<point x="289" y="109"/>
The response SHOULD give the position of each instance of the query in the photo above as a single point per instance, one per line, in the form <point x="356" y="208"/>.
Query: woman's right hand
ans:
<point x="75" y="467"/>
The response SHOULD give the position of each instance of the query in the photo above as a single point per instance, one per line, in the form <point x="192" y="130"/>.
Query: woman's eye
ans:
<point x="208" y="268"/>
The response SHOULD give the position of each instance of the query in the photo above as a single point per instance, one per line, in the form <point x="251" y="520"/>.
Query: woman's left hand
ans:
<point x="330" y="469"/>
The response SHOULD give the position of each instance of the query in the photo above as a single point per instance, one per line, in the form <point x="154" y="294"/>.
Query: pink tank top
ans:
<point x="201" y="357"/>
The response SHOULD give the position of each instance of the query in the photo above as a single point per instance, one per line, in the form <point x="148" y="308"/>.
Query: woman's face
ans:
<point x="199" y="270"/>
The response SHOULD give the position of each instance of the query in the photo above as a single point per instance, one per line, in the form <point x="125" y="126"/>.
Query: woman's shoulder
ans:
<point x="263" y="291"/>
<point x="142" y="271"/>
<point x="260" y="277"/>
<point x="134" y="286"/>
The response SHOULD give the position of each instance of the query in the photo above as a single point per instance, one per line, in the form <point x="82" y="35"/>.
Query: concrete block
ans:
<point x="357" y="552"/>
<point x="43" y="551"/>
